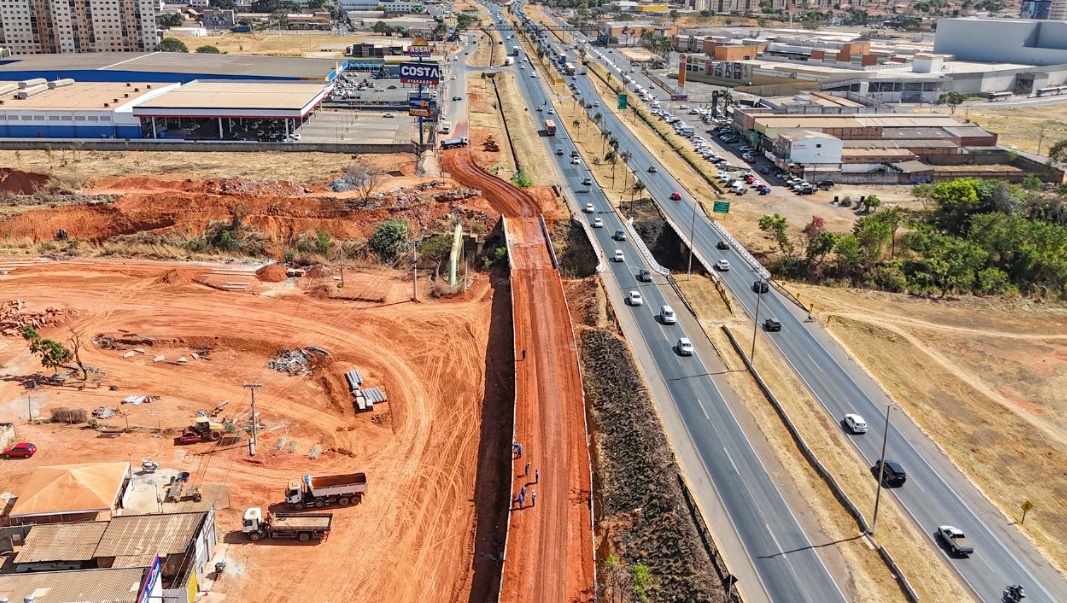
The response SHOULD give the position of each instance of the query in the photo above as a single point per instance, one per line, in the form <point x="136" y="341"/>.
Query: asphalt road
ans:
<point x="936" y="492"/>
<point x="789" y="568"/>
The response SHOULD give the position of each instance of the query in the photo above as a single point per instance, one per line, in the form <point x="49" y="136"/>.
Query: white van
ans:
<point x="446" y="127"/>
<point x="667" y="315"/>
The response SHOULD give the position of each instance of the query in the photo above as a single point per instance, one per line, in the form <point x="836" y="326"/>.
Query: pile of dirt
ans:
<point x="319" y="271"/>
<point x="428" y="167"/>
<point x="644" y="519"/>
<point x="14" y="182"/>
<point x="272" y="273"/>
<point x="256" y="188"/>
<point x="14" y="315"/>
<point x="173" y="277"/>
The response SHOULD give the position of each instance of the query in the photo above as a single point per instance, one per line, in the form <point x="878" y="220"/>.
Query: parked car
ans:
<point x="389" y="115"/>
<point x="772" y="325"/>
<point x="634" y="298"/>
<point x="855" y="423"/>
<point x="685" y="347"/>
<point x="893" y="474"/>
<point x="22" y="450"/>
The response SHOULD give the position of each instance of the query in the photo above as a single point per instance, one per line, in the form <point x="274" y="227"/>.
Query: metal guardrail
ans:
<point x="548" y="241"/>
<point x="740" y="249"/>
<point x="640" y="244"/>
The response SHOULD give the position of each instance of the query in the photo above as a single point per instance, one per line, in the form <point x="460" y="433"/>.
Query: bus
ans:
<point x="1002" y="96"/>
<point x="550" y="127"/>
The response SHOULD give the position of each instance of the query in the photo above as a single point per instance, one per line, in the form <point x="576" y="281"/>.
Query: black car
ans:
<point x="893" y="475"/>
<point x="772" y="325"/>
<point x="760" y="286"/>
<point x="722" y="245"/>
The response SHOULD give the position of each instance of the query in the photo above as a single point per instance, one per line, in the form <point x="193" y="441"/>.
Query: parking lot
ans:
<point x="366" y="127"/>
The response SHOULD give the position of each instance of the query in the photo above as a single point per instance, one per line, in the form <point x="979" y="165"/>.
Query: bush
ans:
<point x="521" y="180"/>
<point x="889" y="277"/>
<point x="391" y="237"/>
<point x="993" y="281"/>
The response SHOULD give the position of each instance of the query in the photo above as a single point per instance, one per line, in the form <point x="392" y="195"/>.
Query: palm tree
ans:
<point x="636" y="188"/>
<point x="598" y="118"/>
<point x="578" y="125"/>
<point x="626" y="32"/>
<point x="604" y="136"/>
<point x="625" y="156"/>
<point x="612" y="157"/>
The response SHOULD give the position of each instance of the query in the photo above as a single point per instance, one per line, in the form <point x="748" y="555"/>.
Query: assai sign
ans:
<point x="427" y="74"/>
<point x="420" y="48"/>
<point x="421" y="107"/>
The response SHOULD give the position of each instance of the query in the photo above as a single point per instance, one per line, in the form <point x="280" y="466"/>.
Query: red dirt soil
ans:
<point x="553" y="539"/>
<point x="20" y="183"/>
<point x="412" y="537"/>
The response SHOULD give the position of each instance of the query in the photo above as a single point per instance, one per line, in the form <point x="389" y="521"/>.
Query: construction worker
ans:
<point x="522" y="492"/>
<point x="516" y="449"/>
<point x="526" y="470"/>
<point x="522" y="500"/>
<point x="533" y="498"/>
<point x="537" y="476"/>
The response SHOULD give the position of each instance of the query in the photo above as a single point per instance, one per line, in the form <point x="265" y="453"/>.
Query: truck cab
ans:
<point x="252" y="523"/>
<point x="294" y="495"/>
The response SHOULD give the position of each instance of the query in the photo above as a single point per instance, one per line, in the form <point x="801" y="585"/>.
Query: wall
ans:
<point x="144" y="144"/>
<point x="1003" y="40"/>
<point x="809" y="151"/>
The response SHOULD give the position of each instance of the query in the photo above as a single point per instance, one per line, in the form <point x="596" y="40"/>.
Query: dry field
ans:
<point x="1018" y="127"/>
<point x="420" y="450"/>
<point x="280" y="45"/>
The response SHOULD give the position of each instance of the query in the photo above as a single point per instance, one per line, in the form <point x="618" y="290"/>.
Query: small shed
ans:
<point x="63" y="493"/>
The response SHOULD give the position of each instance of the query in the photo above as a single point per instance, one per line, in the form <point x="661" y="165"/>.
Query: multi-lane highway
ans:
<point x="785" y="565"/>
<point x="936" y="492"/>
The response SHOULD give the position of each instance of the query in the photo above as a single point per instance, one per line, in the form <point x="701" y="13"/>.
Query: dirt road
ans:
<point x="549" y="555"/>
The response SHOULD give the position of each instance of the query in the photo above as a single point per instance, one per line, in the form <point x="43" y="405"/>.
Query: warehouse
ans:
<point x="130" y="585"/>
<point x="162" y="67"/>
<point x="69" y="109"/>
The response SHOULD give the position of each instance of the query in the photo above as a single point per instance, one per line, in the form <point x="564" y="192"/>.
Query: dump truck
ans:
<point x="298" y="526"/>
<point x="326" y="490"/>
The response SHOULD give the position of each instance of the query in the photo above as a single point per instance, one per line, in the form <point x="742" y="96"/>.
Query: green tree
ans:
<point x="955" y="201"/>
<point x="951" y="99"/>
<point x="435" y="250"/>
<point x="1058" y="151"/>
<point x="208" y="49"/>
<point x="775" y="225"/>
<point x="391" y="237"/>
<point x="380" y="27"/>
<point x="171" y="20"/>
<point x="818" y="242"/>
<point x="52" y="353"/>
<point x="323" y="242"/>
<point x="173" y="45"/>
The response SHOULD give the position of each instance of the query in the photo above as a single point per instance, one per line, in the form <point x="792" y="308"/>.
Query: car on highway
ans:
<point x="389" y="115"/>
<point x="668" y="315"/>
<point x="575" y="161"/>
<point x="21" y="450"/>
<point x="457" y="98"/>
<point x="620" y="235"/>
<point x="540" y="109"/>
<point x="587" y="180"/>
<point x="760" y="286"/>
<point x="955" y="540"/>
<point x="685" y="347"/>
<point x="618" y="257"/>
<point x="589" y="208"/>
<point x="723" y="245"/>
<point x="676" y="196"/>
<point x="634" y="298"/>
<point x="855" y="423"/>
<point x="893" y="474"/>
<point x="551" y="111"/>
<point x="652" y="169"/>
<point x="598" y="223"/>
<point x="722" y="265"/>
<point x="772" y="325"/>
<point x="645" y="276"/>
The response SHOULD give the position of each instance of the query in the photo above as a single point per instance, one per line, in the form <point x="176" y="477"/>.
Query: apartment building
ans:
<point x="66" y="26"/>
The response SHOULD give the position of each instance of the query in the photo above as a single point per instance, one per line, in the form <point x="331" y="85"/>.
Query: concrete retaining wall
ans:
<point x="202" y="147"/>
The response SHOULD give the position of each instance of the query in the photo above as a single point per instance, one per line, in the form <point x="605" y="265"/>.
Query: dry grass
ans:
<point x="524" y="132"/>
<point x="300" y="167"/>
<point x="994" y="372"/>
<point x="1018" y="127"/>
<point x="279" y="45"/>
<point x="485" y="121"/>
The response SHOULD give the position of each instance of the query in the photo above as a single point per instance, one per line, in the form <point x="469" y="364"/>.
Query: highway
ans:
<point x="936" y="492"/>
<point x="786" y="565"/>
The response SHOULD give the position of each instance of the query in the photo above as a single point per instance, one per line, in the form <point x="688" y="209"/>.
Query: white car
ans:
<point x="634" y="298"/>
<point x="685" y="347"/>
<point x="855" y="423"/>
<point x="722" y="265"/>
<point x="575" y="160"/>
<point x="618" y="257"/>
<point x="551" y="111"/>
<point x="723" y="177"/>
<point x="589" y="208"/>
<point x="389" y="115"/>
<point x="668" y="315"/>
<point x="598" y="223"/>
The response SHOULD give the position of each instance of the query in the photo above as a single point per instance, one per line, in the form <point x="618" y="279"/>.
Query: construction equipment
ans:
<point x="298" y="526"/>
<point x="204" y="429"/>
<point x="491" y="146"/>
<point x="326" y="490"/>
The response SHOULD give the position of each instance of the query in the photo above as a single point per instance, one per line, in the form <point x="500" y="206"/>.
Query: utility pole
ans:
<point x="252" y="443"/>
<point x="29" y="409"/>
<point x="415" y="272"/>
<point x="692" y="241"/>
<point x="881" y="470"/>
<point x="341" y="256"/>
<point x="755" y="322"/>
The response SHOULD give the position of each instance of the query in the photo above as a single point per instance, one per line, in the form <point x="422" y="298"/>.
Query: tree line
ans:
<point x="973" y="236"/>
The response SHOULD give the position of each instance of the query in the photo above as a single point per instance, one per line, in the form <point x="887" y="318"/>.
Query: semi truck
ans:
<point x="514" y="51"/>
<point x="326" y="490"/>
<point x="297" y="526"/>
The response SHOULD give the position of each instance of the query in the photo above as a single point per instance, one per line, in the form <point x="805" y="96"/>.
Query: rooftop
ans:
<point x="70" y="489"/>
<point x="78" y="96"/>
<point x="207" y="99"/>
<point x="134" y="540"/>
<point x="111" y="585"/>
<point x="61" y="542"/>
<point x="163" y="62"/>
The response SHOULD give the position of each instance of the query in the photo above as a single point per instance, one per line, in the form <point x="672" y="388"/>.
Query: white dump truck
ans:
<point x="321" y="491"/>
<point x="297" y="526"/>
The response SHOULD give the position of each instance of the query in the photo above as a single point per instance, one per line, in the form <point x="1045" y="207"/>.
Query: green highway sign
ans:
<point x="622" y="100"/>
<point x="721" y="207"/>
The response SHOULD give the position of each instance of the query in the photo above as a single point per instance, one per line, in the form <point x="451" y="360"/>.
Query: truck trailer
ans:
<point x="297" y="526"/>
<point x="514" y="51"/>
<point x="326" y="490"/>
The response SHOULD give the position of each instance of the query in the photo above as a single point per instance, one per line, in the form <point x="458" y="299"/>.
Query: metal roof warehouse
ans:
<point x="251" y="100"/>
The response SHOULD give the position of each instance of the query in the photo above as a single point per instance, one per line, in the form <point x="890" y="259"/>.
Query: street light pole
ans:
<point x="692" y="242"/>
<point x="881" y="470"/>
<point x="755" y="323"/>
<point x="252" y="444"/>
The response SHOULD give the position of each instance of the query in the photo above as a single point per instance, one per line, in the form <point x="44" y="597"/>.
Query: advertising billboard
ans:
<point x="420" y="48"/>
<point x="427" y="74"/>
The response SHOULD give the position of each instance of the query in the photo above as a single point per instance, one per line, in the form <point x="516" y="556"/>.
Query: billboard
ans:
<point x="427" y="74"/>
<point x="420" y="48"/>
<point x="150" y="580"/>
<point x="683" y="61"/>
<point x="732" y="70"/>
<point x="421" y="107"/>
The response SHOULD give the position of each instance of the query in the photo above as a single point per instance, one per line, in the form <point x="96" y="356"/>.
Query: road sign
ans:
<point x="622" y="100"/>
<point x="721" y="207"/>
<point x="428" y="74"/>
<point x="679" y="97"/>
<point x="1027" y="506"/>
<point x="420" y="48"/>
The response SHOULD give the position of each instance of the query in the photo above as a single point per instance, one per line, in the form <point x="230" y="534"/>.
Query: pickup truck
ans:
<point x="955" y="540"/>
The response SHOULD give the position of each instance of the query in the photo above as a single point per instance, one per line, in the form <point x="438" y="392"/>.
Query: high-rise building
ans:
<point x="1058" y="10"/>
<point x="64" y="26"/>
<point x="1035" y="9"/>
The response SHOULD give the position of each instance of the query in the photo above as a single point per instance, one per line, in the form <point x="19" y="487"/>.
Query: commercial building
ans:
<point x="629" y="33"/>
<point x="1021" y="41"/>
<point x="126" y="585"/>
<point x="1035" y="9"/>
<point x="55" y="27"/>
<point x="174" y="548"/>
<point x="61" y="493"/>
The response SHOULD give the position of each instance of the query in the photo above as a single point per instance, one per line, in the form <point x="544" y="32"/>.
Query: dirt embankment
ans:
<point x="15" y="182"/>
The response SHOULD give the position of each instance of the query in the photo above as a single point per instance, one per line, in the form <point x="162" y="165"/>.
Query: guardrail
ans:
<point x="905" y="586"/>
<point x="514" y="400"/>
<point x="548" y="241"/>
<point x="725" y="577"/>
<point x="640" y="244"/>
<point x="740" y="249"/>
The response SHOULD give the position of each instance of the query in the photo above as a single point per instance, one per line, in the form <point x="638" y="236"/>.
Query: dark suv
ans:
<point x="893" y="475"/>
<point x="760" y="286"/>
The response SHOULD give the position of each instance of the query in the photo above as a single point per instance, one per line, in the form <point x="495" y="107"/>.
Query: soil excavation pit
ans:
<point x="411" y="539"/>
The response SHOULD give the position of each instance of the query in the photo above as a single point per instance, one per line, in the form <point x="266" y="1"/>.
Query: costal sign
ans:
<point x="420" y="73"/>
